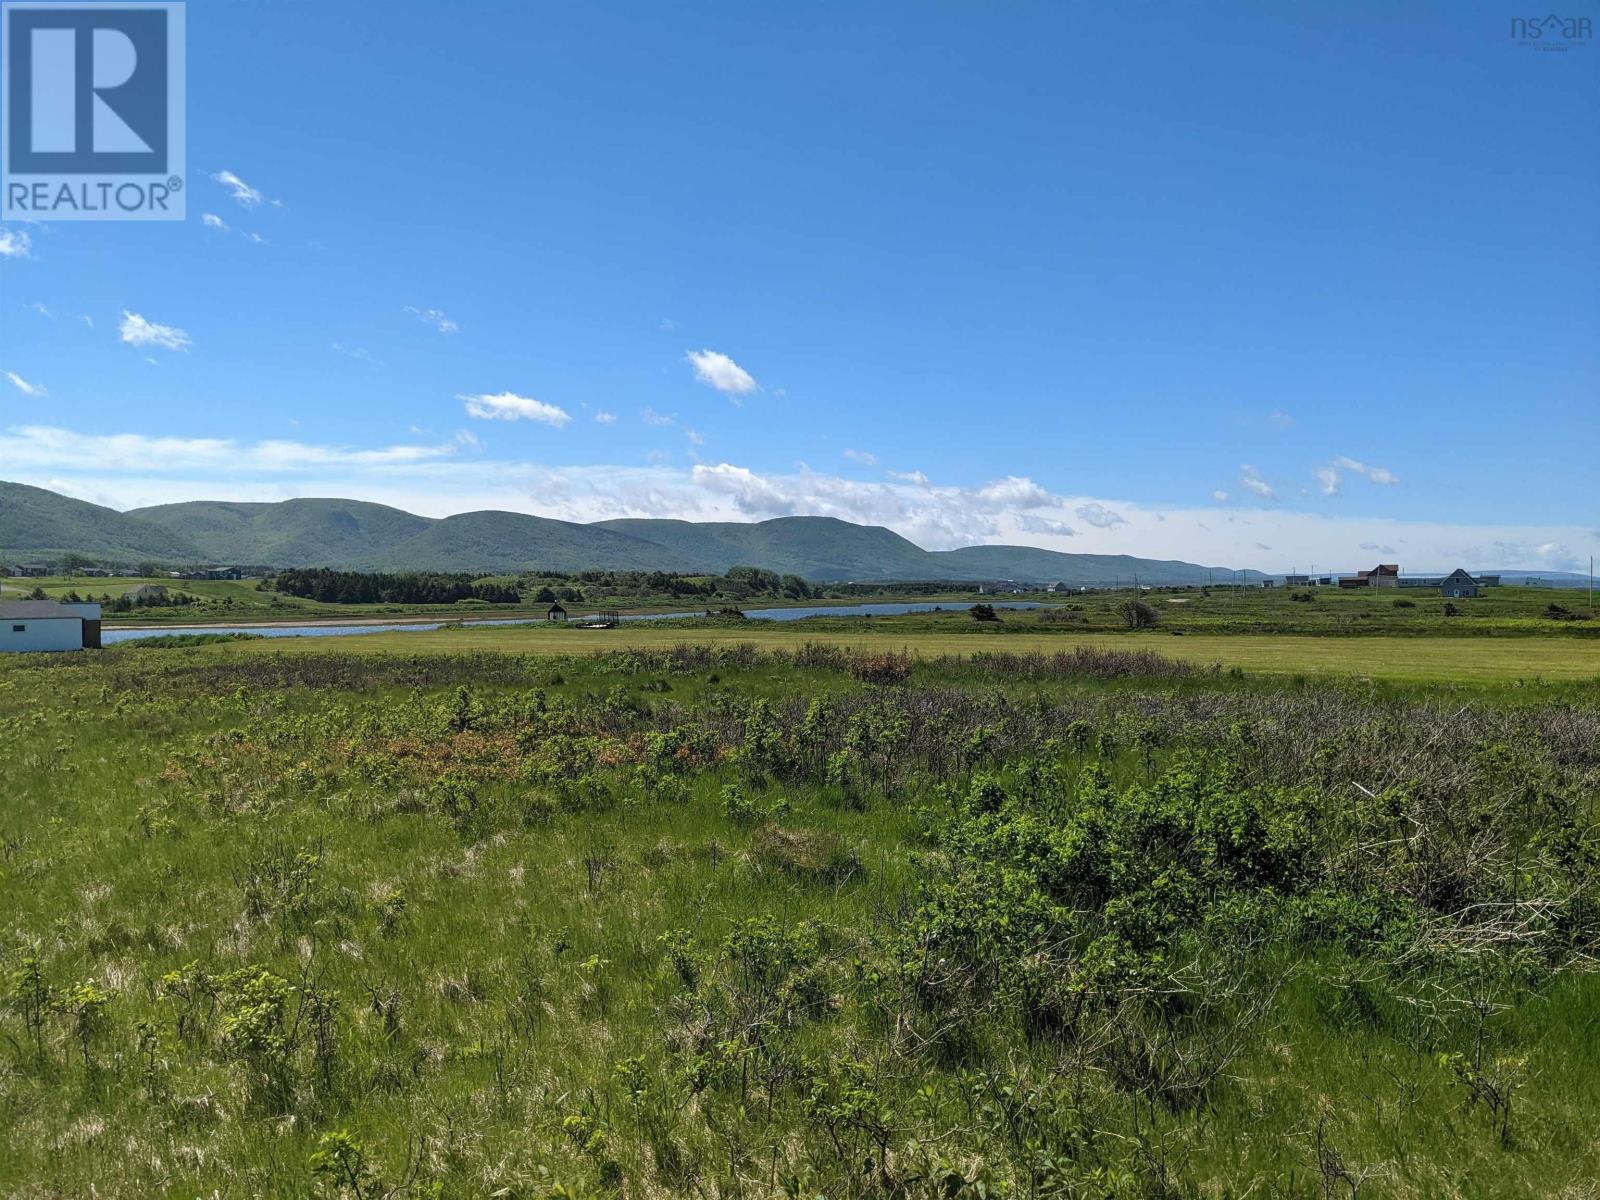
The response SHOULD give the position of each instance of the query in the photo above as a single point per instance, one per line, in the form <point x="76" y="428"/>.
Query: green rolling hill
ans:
<point x="353" y="534"/>
<point x="35" y="523"/>
<point x="288" y="533"/>
<point x="502" y="542"/>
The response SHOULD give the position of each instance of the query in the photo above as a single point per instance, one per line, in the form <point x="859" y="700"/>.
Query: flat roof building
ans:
<point x="45" y="625"/>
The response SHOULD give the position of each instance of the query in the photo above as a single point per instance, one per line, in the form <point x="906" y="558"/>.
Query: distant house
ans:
<point x="556" y="613"/>
<point x="1299" y="581"/>
<point x="147" y="593"/>
<point x="29" y="570"/>
<point x="46" y="625"/>
<point x="1458" y="585"/>
<point x="1055" y="586"/>
<point x="1269" y="583"/>
<point x="1384" y="575"/>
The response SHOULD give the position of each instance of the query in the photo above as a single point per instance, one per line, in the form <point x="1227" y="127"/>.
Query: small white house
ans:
<point x="46" y="625"/>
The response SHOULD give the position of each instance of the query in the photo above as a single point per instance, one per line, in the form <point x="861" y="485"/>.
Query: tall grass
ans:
<point x="715" y="920"/>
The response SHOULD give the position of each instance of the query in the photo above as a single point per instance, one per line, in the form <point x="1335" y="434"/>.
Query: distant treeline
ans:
<point x="356" y="587"/>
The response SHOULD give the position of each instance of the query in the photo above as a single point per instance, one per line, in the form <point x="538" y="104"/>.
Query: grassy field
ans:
<point x="302" y="919"/>
<point x="1439" y="659"/>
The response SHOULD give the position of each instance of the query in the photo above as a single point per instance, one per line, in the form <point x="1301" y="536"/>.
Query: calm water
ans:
<point x="111" y="637"/>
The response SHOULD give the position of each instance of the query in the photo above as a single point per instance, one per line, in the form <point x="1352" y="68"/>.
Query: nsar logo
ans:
<point x="1552" y="32"/>
<point x="92" y="112"/>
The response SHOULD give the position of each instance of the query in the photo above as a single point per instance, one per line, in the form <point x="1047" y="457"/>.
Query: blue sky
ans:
<point x="1258" y="284"/>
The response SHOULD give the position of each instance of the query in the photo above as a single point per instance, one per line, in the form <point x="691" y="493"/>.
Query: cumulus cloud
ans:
<point x="696" y="438"/>
<point x="26" y="388"/>
<point x="862" y="457"/>
<point x="434" y="317"/>
<point x="1015" y="491"/>
<point x="212" y="221"/>
<point x="605" y="418"/>
<point x="136" y="331"/>
<point x="1100" y="516"/>
<point x="1251" y="478"/>
<point x="508" y="406"/>
<point x="651" y="417"/>
<point x="1327" y="480"/>
<point x="1220" y="496"/>
<point x="15" y="243"/>
<point x="721" y="372"/>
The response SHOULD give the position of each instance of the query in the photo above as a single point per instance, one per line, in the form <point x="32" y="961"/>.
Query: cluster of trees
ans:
<point x="356" y="587"/>
<point x="739" y="583"/>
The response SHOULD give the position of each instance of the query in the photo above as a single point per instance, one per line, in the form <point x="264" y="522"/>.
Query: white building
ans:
<point x="46" y="625"/>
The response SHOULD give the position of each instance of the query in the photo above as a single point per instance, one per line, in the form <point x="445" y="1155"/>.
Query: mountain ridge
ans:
<point x="359" y="535"/>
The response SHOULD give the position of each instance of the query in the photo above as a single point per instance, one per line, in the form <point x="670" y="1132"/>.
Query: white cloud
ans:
<point x="44" y="446"/>
<point x="916" y="477"/>
<point x="1220" y="496"/>
<point x="1379" y="475"/>
<point x="1100" y="516"/>
<point x="241" y="191"/>
<point x="696" y="438"/>
<point x="256" y="238"/>
<point x="1251" y="478"/>
<point x="212" y="221"/>
<point x="434" y="317"/>
<point x="43" y="309"/>
<point x="1280" y="420"/>
<point x="26" y="388"/>
<point x="15" y="243"/>
<point x="1327" y="480"/>
<point x="136" y="331"/>
<point x="721" y="372"/>
<point x="1015" y="491"/>
<point x="651" y="417"/>
<point x="356" y="352"/>
<point x="1047" y="525"/>
<point x="862" y="457"/>
<point x="606" y="418"/>
<point x="508" y="406"/>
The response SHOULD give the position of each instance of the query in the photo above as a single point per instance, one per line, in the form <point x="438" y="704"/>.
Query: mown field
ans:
<point x="728" y="920"/>
<point x="1483" y="660"/>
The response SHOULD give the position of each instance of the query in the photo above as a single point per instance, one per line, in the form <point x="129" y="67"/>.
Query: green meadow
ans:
<point x="721" y="913"/>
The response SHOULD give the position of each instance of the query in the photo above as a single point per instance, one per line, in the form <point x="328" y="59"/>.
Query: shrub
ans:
<point x="1136" y="614"/>
<point x="884" y="668"/>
